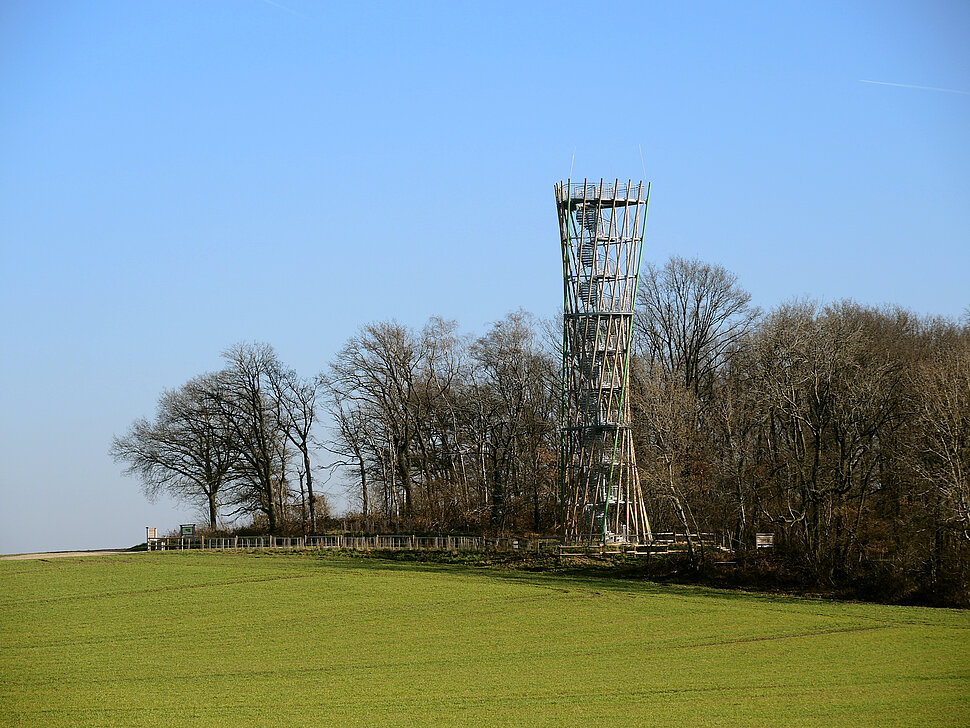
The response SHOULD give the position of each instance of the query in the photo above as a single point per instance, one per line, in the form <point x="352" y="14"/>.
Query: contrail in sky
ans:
<point x="909" y="85"/>
<point x="283" y="7"/>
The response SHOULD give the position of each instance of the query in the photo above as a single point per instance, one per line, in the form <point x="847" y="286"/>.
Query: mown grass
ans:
<point x="305" y="639"/>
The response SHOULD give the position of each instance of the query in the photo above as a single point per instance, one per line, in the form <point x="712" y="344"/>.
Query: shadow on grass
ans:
<point x="588" y="574"/>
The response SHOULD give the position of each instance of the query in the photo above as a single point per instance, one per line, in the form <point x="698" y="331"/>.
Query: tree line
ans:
<point x="843" y="429"/>
<point x="435" y="431"/>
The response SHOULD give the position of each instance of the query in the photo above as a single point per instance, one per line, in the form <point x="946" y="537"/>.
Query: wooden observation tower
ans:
<point x="601" y="226"/>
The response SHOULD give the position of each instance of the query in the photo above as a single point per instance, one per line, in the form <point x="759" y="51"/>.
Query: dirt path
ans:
<point x="61" y="554"/>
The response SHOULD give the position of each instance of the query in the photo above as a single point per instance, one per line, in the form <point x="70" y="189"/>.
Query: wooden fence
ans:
<point x="662" y="543"/>
<point x="356" y="543"/>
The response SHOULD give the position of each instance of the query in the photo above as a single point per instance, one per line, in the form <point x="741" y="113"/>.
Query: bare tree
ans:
<point x="244" y="396"/>
<point x="377" y="370"/>
<point x="832" y="394"/>
<point x="942" y="386"/>
<point x="737" y="430"/>
<point x="186" y="451"/>
<point x="516" y="403"/>
<point x="690" y="316"/>
<point x="666" y="414"/>
<point x="295" y="400"/>
<point x="349" y="441"/>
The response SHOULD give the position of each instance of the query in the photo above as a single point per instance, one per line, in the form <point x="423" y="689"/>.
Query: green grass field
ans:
<point x="214" y="639"/>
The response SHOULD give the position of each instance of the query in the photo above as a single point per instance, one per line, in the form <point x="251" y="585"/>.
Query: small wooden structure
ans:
<point x="764" y="540"/>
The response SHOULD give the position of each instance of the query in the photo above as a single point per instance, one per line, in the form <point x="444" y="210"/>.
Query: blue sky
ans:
<point x="177" y="176"/>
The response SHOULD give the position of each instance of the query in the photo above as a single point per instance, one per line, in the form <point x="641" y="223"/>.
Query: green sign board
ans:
<point x="187" y="530"/>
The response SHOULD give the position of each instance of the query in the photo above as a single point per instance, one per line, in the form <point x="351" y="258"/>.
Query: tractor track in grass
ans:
<point x="139" y="592"/>
<point x="772" y="638"/>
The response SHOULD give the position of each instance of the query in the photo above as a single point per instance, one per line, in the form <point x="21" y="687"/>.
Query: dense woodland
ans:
<point x="843" y="429"/>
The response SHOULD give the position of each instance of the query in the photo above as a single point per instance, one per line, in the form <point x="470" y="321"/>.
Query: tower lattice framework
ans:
<point x="601" y="227"/>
